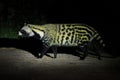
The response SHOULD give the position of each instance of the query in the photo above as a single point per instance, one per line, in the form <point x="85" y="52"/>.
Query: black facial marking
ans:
<point x="24" y="33"/>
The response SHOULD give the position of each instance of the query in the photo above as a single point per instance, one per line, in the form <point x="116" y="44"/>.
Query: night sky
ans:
<point x="61" y="11"/>
<point x="102" y="15"/>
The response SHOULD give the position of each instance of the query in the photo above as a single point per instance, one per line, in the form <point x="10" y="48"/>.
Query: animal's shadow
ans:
<point x="28" y="44"/>
<point x="34" y="46"/>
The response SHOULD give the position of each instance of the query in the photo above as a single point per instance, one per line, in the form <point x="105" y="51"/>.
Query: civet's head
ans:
<point x="26" y="31"/>
<point x="29" y="30"/>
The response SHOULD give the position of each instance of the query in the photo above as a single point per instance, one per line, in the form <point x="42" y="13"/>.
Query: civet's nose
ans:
<point x="20" y="34"/>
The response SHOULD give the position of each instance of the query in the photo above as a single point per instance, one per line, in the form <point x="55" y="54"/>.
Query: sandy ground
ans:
<point x="17" y="64"/>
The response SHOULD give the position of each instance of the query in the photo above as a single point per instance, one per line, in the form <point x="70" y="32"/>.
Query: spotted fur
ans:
<point x="53" y="35"/>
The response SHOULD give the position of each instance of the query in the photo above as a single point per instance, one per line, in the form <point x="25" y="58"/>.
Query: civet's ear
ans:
<point x="25" y="24"/>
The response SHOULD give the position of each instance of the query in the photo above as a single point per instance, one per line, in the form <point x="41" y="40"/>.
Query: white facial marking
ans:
<point x="20" y="34"/>
<point x="31" y="34"/>
<point x="41" y="33"/>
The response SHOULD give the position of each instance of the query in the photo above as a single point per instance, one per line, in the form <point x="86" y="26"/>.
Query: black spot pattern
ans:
<point x="69" y="34"/>
<point x="67" y="38"/>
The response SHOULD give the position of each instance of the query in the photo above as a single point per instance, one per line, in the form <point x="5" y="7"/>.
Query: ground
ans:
<point x="17" y="64"/>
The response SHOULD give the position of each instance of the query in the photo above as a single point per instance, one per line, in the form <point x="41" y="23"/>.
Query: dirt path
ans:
<point x="16" y="64"/>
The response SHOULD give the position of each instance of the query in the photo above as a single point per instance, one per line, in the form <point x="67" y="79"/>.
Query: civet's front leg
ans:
<point x="44" y="51"/>
<point x="54" y="49"/>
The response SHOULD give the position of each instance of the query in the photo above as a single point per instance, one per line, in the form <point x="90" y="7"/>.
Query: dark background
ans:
<point x="102" y="15"/>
